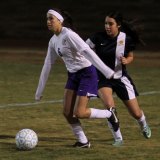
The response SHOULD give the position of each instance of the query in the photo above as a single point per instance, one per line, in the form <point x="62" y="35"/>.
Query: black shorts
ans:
<point x="123" y="87"/>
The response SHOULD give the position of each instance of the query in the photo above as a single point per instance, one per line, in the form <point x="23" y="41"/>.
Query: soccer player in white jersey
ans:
<point x="115" y="47"/>
<point x="82" y="75"/>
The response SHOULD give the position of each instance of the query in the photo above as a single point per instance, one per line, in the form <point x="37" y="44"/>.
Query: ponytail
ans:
<point x="68" y="21"/>
<point x="133" y="29"/>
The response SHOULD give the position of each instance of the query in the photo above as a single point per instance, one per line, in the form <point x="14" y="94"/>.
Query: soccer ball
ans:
<point x="26" y="139"/>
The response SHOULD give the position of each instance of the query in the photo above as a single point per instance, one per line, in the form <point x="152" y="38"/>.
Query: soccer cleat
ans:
<point x="113" y="119"/>
<point x="82" y="145"/>
<point x="146" y="132"/>
<point x="118" y="143"/>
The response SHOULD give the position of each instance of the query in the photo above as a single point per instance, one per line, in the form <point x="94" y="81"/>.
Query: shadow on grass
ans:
<point x="6" y="136"/>
<point x="51" y="141"/>
<point x="61" y="141"/>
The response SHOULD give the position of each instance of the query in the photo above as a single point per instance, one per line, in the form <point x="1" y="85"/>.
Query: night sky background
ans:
<point x="23" y="22"/>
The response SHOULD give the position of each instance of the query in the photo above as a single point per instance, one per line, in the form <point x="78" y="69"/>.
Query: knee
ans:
<point x="137" y="115"/>
<point x="109" y="104"/>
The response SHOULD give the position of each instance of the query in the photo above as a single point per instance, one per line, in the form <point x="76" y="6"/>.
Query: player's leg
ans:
<point x="137" y="113"/>
<point x="127" y="92"/>
<point x="81" y="110"/>
<point x="106" y="96"/>
<point x="87" y="88"/>
<point x="68" y="107"/>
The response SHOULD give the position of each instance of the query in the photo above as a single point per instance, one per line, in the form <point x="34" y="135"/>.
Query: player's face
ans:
<point x="111" y="27"/>
<point x="53" y="23"/>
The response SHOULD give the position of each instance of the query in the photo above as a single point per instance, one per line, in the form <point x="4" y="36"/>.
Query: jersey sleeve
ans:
<point x="76" y="42"/>
<point x="130" y="44"/>
<point x="49" y="61"/>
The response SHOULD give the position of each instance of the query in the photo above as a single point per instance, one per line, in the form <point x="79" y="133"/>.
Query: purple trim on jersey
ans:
<point x="84" y="82"/>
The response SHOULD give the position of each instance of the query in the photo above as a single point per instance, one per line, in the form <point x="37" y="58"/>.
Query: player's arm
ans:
<point x="48" y="63"/>
<point x="97" y="62"/>
<point x="128" y="59"/>
<point x="89" y="54"/>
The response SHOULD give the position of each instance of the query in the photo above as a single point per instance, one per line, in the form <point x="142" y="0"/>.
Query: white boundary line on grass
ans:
<point x="59" y="101"/>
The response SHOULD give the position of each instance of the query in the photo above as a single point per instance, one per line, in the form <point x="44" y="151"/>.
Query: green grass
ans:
<point x="19" y="74"/>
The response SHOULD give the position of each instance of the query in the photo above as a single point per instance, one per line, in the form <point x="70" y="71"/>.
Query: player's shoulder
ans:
<point x="130" y="43"/>
<point x="100" y="34"/>
<point x="67" y="31"/>
<point x="129" y="39"/>
<point x="52" y="38"/>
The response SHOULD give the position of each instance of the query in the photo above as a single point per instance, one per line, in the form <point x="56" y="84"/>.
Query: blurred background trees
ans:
<point x="23" y="22"/>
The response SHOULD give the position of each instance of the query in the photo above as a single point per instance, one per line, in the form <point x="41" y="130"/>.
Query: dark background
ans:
<point x="23" y="22"/>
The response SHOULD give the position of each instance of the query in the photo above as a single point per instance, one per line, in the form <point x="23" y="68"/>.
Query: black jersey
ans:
<point x="105" y="48"/>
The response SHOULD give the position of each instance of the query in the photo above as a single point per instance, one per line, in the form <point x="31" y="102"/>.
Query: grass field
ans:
<point x="19" y="74"/>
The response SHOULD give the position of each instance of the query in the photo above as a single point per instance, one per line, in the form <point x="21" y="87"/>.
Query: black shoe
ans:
<point x="113" y="119"/>
<point x="82" y="145"/>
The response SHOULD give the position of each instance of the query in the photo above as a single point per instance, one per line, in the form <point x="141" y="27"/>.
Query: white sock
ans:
<point x="99" y="113"/>
<point x="78" y="132"/>
<point x="142" y="121"/>
<point x="117" y="135"/>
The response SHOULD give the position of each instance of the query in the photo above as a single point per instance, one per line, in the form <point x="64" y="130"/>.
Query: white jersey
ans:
<point x="75" y="53"/>
<point x="68" y="45"/>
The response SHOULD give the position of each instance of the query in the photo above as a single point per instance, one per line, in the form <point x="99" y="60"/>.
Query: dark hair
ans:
<point x="68" y="21"/>
<point x="130" y="26"/>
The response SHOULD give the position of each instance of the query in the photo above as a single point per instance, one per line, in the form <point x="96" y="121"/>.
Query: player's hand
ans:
<point x="124" y="60"/>
<point x="111" y="76"/>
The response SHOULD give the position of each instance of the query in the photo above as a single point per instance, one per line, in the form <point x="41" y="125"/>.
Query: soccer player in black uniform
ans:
<point x="115" y="46"/>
